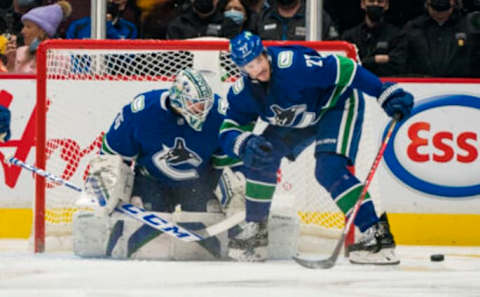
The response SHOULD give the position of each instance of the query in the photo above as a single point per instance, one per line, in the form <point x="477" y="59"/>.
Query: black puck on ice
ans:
<point x="437" y="258"/>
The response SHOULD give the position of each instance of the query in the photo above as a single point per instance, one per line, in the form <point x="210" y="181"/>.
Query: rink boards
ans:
<point x="429" y="177"/>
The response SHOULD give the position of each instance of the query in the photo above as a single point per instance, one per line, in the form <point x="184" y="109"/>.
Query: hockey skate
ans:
<point x="375" y="246"/>
<point x="249" y="242"/>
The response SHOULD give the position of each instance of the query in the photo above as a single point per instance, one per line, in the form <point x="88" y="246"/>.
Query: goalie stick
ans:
<point x="330" y="261"/>
<point x="147" y="217"/>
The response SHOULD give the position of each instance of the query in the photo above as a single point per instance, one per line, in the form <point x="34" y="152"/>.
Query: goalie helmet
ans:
<point x="245" y="47"/>
<point x="192" y="97"/>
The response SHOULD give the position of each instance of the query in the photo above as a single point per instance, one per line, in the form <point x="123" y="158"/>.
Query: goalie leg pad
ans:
<point x="213" y="248"/>
<point x="121" y="237"/>
<point x="90" y="234"/>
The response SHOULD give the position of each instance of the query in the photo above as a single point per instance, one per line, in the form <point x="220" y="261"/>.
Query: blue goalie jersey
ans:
<point x="160" y="141"/>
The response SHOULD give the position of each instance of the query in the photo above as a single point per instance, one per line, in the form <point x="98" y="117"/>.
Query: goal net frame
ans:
<point x="43" y="76"/>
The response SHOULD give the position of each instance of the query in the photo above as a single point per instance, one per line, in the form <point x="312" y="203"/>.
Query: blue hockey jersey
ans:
<point x="148" y="132"/>
<point x="303" y="85"/>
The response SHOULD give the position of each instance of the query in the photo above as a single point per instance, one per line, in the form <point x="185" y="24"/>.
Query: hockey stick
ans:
<point x="330" y="261"/>
<point x="147" y="217"/>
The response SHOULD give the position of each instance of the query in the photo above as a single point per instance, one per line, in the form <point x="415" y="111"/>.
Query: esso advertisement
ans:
<point x="437" y="149"/>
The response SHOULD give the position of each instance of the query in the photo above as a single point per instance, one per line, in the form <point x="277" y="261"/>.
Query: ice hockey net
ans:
<point x="82" y="84"/>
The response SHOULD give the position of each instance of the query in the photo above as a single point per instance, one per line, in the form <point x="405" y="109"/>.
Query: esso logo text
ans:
<point x="462" y="147"/>
<point x="436" y="150"/>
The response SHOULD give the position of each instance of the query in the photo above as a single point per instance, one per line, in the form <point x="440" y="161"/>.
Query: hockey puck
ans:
<point x="437" y="258"/>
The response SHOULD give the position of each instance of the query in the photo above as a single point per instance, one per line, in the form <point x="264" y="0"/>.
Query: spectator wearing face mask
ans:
<point x="285" y="20"/>
<point x="378" y="42"/>
<point x="438" y="43"/>
<point x="201" y="19"/>
<point x="39" y="24"/>
<point x="236" y="18"/>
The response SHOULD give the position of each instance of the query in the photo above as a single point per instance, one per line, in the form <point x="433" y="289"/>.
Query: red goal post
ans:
<point x="82" y="84"/>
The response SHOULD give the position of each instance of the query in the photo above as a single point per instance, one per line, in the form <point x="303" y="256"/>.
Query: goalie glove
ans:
<point x="230" y="191"/>
<point x="395" y="101"/>
<point x="110" y="181"/>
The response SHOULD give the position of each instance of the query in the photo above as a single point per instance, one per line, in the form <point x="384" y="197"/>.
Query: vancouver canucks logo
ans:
<point x="169" y="158"/>
<point x="287" y="116"/>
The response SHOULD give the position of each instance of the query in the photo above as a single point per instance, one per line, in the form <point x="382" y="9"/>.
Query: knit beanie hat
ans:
<point x="49" y="17"/>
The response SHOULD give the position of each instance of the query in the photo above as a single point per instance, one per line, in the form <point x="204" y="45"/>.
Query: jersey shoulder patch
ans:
<point x="285" y="59"/>
<point x="238" y="86"/>
<point x="138" y="104"/>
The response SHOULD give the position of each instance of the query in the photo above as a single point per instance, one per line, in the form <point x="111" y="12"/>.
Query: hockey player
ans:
<point x="171" y="137"/>
<point x="304" y="97"/>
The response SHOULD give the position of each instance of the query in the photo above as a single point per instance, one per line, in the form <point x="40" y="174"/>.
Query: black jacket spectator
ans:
<point x="383" y="39"/>
<point x="272" y="26"/>
<point x="438" y="50"/>
<point x="191" y="25"/>
<point x="237" y="18"/>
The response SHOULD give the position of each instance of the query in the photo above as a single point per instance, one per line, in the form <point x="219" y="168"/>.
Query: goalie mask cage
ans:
<point x="83" y="84"/>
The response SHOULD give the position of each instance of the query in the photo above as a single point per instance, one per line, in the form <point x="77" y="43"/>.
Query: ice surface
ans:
<point x="23" y="274"/>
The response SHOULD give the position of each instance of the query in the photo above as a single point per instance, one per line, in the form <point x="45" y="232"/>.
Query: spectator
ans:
<point x="285" y="20"/>
<point x="437" y="43"/>
<point x="117" y="26"/>
<point x="257" y="6"/>
<point x="128" y="10"/>
<point x="157" y="15"/>
<point x="10" y="17"/>
<point x="39" y="24"/>
<point x="202" y="18"/>
<point x="236" y="18"/>
<point x="378" y="42"/>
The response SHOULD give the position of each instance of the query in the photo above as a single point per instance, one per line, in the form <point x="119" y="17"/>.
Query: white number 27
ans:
<point x="313" y="61"/>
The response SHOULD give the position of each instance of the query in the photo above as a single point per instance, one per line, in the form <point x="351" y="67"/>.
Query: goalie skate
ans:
<point x="250" y="243"/>
<point x="375" y="246"/>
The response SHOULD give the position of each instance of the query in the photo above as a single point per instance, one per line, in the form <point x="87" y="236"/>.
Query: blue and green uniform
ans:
<point x="309" y="98"/>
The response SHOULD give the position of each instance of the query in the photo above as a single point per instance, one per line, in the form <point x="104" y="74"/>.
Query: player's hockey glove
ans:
<point x="395" y="101"/>
<point x="256" y="152"/>
<point x="4" y="124"/>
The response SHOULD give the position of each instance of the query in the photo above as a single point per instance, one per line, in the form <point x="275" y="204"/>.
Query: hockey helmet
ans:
<point x="245" y="47"/>
<point x="192" y="97"/>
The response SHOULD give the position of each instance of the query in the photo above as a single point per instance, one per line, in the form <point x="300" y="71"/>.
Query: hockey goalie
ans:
<point x="162" y="154"/>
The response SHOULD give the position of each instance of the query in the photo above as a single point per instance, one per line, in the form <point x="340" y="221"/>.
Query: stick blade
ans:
<point x="315" y="264"/>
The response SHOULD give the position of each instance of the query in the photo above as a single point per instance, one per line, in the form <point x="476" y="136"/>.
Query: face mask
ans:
<point x="235" y="15"/>
<point x="440" y="5"/>
<point x="203" y="6"/>
<point x="375" y="13"/>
